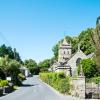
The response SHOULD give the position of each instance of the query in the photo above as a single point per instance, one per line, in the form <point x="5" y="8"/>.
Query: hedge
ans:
<point x="94" y="80"/>
<point x="59" y="81"/>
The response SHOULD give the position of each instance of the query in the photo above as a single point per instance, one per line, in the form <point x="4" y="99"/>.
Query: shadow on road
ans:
<point x="28" y="85"/>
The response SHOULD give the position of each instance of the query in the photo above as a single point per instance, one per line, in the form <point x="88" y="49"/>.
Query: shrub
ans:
<point x="16" y="81"/>
<point x="61" y="75"/>
<point x="94" y="80"/>
<point x="21" y="77"/>
<point x="1" y="91"/>
<point x="89" y="68"/>
<point x="64" y="86"/>
<point x="3" y="83"/>
<point x="2" y="74"/>
<point x="59" y="81"/>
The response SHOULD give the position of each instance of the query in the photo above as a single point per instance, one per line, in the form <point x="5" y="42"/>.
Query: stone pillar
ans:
<point x="81" y="84"/>
<point x="78" y="89"/>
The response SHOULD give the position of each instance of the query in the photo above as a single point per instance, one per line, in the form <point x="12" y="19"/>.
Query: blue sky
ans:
<point x="33" y="27"/>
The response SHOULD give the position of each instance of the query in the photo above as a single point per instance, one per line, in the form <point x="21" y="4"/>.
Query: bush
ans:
<point x="2" y="74"/>
<point x="89" y="68"/>
<point x="16" y="81"/>
<point x="21" y="77"/>
<point x="61" y="75"/>
<point x="3" y="83"/>
<point x="1" y="91"/>
<point x="94" y="80"/>
<point x="64" y="86"/>
<point x="59" y="81"/>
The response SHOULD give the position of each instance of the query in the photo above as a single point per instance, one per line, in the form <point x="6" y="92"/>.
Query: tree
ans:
<point x="14" y="70"/>
<point x="55" y="50"/>
<point x="86" y="42"/>
<point x="32" y="65"/>
<point x="44" y="65"/>
<point x="84" y="39"/>
<point x="89" y="68"/>
<point x="95" y="35"/>
<point x="4" y="61"/>
<point x="4" y="50"/>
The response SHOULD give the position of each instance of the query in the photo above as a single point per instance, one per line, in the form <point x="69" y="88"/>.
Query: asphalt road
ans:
<point x="35" y="89"/>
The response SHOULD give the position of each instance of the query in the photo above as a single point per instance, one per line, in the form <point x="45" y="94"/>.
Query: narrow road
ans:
<point x="34" y="89"/>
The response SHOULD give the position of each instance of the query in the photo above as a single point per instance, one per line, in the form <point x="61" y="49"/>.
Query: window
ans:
<point x="78" y="61"/>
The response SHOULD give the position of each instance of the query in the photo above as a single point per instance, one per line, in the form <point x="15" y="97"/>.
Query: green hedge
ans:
<point x="94" y="80"/>
<point x="59" y="81"/>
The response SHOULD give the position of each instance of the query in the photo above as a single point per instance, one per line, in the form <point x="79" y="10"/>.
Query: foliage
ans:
<point x="32" y="65"/>
<point x="1" y="91"/>
<point x="2" y="75"/>
<point x="21" y="77"/>
<point x="95" y="35"/>
<point x="84" y="39"/>
<point x="57" y="80"/>
<point x="4" y="61"/>
<point x="64" y="86"/>
<point x="14" y="71"/>
<point x="89" y="68"/>
<point x="4" y="50"/>
<point x="14" y="67"/>
<point x="10" y="67"/>
<point x="55" y="50"/>
<point x="44" y="65"/>
<point x="3" y="83"/>
<point x="86" y="42"/>
<point x="94" y="80"/>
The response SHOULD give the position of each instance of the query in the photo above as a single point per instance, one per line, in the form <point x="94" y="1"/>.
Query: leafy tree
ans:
<point x="32" y="65"/>
<point x="4" y="50"/>
<point x="86" y="42"/>
<point x="84" y="39"/>
<point x="89" y="68"/>
<point x="4" y="61"/>
<point x="95" y="34"/>
<point x="55" y="50"/>
<point x="14" y="70"/>
<point x="44" y="65"/>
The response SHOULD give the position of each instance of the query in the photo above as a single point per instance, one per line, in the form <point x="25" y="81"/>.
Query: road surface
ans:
<point x="35" y="89"/>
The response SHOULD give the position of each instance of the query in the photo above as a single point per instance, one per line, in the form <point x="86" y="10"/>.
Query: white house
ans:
<point x="25" y="71"/>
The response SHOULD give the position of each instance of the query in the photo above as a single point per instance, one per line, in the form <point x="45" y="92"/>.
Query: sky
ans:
<point x="33" y="27"/>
